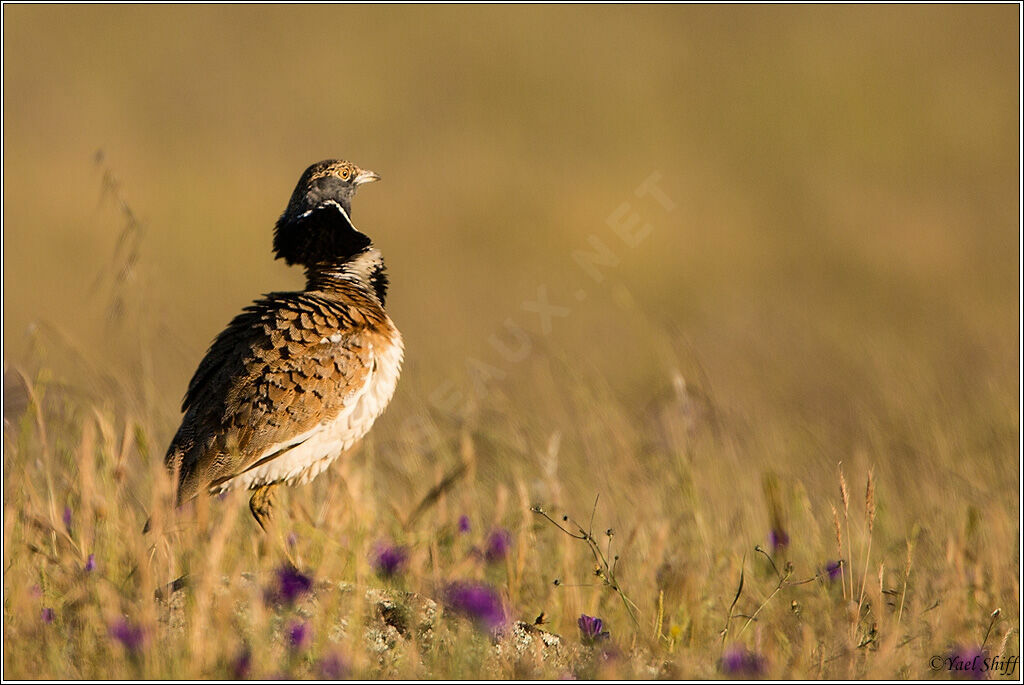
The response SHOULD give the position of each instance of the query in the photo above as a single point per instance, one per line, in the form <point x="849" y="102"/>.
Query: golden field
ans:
<point x="697" y="263"/>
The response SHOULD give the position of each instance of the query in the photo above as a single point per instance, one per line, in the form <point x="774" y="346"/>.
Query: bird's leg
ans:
<point x="260" y="504"/>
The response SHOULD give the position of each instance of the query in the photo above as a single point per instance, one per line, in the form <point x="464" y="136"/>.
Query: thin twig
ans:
<point x="604" y="570"/>
<point x="739" y="591"/>
<point x="753" y="617"/>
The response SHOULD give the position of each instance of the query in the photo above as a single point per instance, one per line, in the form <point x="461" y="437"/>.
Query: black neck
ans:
<point x="323" y="235"/>
<point x="365" y="268"/>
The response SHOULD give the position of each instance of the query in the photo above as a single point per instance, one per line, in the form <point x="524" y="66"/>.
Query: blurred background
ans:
<point x="837" y="279"/>
<point x="845" y="182"/>
<point x="827" y="272"/>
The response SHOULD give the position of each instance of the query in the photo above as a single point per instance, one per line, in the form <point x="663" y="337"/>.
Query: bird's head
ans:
<point x="316" y="227"/>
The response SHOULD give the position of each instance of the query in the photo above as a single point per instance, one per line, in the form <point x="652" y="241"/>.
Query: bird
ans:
<point x="297" y="378"/>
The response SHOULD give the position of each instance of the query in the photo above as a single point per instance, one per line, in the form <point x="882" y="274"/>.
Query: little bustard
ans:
<point x="297" y="378"/>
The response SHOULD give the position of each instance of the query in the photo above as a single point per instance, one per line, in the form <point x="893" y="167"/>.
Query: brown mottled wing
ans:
<point x="267" y="379"/>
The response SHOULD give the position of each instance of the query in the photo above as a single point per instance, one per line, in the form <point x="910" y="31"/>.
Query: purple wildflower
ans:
<point x="242" y="665"/>
<point x="463" y="524"/>
<point x="778" y="538"/>
<point x="834" y="569"/>
<point x="333" y="667"/>
<point x="67" y="518"/>
<point x="298" y="633"/>
<point x="479" y="602"/>
<point x="967" y="662"/>
<point x="293" y="539"/>
<point x="739" y="661"/>
<point x="47" y="615"/>
<point x="498" y="543"/>
<point x="291" y="584"/>
<point x="90" y="563"/>
<point x="389" y="560"/>
<point x="128" y="634"/>
<point x="590" y="629"/>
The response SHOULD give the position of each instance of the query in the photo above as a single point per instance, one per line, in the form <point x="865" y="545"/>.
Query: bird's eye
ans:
<point x="345" y="172"/>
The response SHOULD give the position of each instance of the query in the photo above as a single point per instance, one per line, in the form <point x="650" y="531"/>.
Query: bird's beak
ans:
<point x="365" y="176"/>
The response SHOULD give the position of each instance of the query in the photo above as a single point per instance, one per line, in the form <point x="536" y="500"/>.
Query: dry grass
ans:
<point x="816" y="341"/>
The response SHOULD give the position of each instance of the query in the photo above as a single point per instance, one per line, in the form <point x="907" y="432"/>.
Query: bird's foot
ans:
<point x="261" y="503"/>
